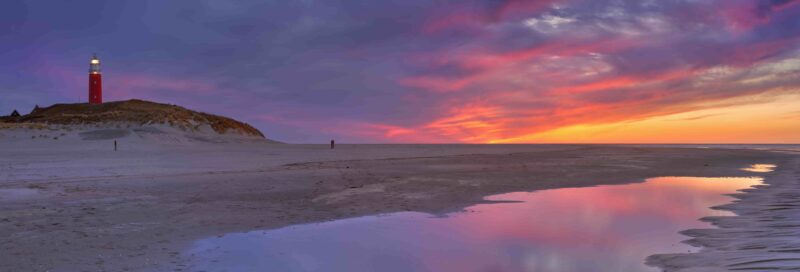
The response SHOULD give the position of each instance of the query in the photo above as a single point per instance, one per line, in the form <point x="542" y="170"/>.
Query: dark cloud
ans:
<point x="765" y="8"/>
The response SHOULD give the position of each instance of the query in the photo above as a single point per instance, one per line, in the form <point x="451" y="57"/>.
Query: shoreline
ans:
<point x="762" y="235"/>
<point x="143" y="222"/>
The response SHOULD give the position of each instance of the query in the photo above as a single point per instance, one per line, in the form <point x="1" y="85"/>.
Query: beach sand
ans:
<point x="82" y="206"/>
<point x="764" y="236"/>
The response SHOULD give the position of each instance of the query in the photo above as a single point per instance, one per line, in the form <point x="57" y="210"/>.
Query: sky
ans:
<point x="425" y="71"/>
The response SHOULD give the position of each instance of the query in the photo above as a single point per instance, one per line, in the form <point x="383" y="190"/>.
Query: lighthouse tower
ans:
<point x="95" y="81"/>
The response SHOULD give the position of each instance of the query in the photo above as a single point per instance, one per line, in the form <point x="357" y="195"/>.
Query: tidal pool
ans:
<point x="760" y="168"/>
<point x="602" y="228"/>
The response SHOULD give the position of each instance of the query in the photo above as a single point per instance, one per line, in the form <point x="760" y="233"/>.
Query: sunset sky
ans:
<point x="306" y="71"/>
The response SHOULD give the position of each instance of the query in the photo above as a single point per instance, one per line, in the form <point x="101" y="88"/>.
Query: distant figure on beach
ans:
<point x="115" y="145"/>
<point x="332" y="143"/>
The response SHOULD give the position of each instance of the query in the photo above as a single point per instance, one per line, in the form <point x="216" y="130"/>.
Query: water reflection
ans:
<point x="604" y="228"/>
<point x="760" y="168"/>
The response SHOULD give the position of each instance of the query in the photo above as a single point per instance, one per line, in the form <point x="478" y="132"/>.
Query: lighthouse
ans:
<point x="95" y="81"/>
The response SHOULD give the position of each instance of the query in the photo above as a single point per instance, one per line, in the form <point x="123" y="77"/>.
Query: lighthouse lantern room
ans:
<point x="95" y="81"/>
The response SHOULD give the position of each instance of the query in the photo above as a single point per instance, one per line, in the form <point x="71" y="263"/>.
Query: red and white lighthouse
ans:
<point x="95" y="81"/>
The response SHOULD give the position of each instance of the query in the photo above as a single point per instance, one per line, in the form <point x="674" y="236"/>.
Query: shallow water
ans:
<point x="760" y="168"/>
<point x="603" y="228"/>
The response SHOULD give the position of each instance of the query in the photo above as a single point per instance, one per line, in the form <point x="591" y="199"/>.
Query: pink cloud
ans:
<point x="742" y="16"/>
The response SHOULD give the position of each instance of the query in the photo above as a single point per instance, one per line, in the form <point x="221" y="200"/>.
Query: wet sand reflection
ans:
<point x="603" y="228"/>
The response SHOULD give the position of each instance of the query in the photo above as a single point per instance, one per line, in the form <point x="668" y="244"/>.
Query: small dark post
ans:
<point x="115" y="145"/>
<point x="332" y="144"/>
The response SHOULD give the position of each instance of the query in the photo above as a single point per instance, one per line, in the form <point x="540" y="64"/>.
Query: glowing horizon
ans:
<point x="511" y="71"/>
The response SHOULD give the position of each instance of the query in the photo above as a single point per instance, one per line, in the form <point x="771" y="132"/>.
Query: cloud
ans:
<point x="408" y="71"/>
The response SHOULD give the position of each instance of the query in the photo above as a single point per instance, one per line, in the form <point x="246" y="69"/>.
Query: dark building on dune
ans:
<point x="13" y="117"/>
<point x="35" y="109"/>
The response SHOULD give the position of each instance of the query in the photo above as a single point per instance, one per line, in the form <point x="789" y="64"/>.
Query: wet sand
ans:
<point x="764" y="236"/>
<point x="598" y="228"/>
<point x="139" y="210"/>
